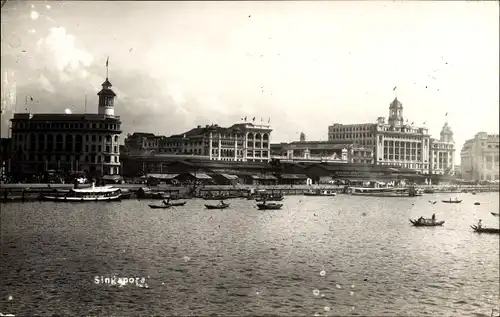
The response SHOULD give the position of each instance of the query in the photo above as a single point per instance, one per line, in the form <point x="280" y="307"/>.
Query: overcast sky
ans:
<point x="305" y="64"/>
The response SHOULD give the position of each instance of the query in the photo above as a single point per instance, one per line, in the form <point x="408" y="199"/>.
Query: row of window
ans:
<point x="356" y="128"/>
<point x="406" y="165"/>
<point x="22" y="137"/>
<point x="61" y="125"/>
<point x="72" y="158"/>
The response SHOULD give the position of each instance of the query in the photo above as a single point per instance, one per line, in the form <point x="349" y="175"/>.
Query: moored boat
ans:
<point x="176" y="204"/>
<point x="220" y="206"/>
<point x="456" y="201"/>
<point x="320" y="192"/>
<point x="485" y="230"/>
<point x="269" y="198"/>
<point x="426" y="223"/>
<point x="385" y="191"/>
<point x="159" y="206"/>
<point x="495" y="214"/>
<point x="269" y="206"/>
<point x="94" y="193"/>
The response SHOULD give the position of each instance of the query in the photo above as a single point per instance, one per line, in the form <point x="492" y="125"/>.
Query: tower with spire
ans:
<point x="396" y="113"/>
<point x="106" y="96"/>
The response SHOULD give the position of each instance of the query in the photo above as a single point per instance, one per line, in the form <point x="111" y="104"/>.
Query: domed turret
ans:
<point x="396" y="112"/>
<point x="446" y="133"/>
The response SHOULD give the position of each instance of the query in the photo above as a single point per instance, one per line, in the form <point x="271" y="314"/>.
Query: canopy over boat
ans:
<point x="426" y="223"/>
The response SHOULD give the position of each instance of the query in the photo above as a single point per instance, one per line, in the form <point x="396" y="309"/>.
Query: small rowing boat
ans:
<point x="269" y="206"/>
<point x="451" y="201"/>
<point x="159" y="206"/>
<point x="426" y="223"/>
<point x="485" y="230"/>
<point x="220" y="206"/>
<point x="175" y="204"/>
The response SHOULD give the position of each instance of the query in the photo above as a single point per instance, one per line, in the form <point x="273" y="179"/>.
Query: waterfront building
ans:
<point x="479" y="158"/>
<point x="69" y="142"/>
<point x="321" y="151"/>
<point x="140" y="142"/>
<point x="395" y="143"/>
<point x="442" y="153"/>
<point x="243" y="142"/>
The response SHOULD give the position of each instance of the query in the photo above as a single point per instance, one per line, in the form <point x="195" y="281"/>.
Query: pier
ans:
<point x="30" y="192"/>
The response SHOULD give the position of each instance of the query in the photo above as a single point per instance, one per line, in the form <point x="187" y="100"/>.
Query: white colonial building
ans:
<point x="245" y="142"/>
<point x="479" y="158"/>
<point x="395" y="143"/>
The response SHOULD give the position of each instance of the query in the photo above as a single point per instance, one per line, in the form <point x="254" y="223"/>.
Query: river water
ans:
<point x="323" y="256"/>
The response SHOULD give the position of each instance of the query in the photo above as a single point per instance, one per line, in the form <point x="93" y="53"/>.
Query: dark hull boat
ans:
<point x="485" y="230"/>
<point x="223" y="206"/>
<point x="451" y="201"/>
<point x="182" y="203"/>
<point x="220" y="197"/>
<point x="495" y="214"/>
<point x="269" y="206"/>
<point x="426" y="223"/>
<point x="270" y="198"/>
<point x="159" y="206"/>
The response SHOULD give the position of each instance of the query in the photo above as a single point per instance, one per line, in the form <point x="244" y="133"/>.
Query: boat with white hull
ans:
<point x="385" y="191"/>
<point x="94" y="193"/>
<point x="320" y="192"/>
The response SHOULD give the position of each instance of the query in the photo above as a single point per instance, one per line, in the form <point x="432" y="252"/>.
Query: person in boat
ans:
<point x="480" y="224"/>
<point x="433" y="218"/>
<point x="222" y="202"/>
<point x="166" y="202"/>
<point x="421" y="219"/>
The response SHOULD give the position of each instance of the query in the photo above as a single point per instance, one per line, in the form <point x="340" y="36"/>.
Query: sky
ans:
<point x="301" y="65"/>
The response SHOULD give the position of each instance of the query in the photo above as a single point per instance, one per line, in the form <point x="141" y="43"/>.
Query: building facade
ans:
<point x="68" y="142"/>
<point x="479" y="158"/>
<point x="395" y="143"/>
<point x="139" y="142"/>
<point x="322" y="151"/>
<point x="442" y="153"/>
<point x="245" y="142"/>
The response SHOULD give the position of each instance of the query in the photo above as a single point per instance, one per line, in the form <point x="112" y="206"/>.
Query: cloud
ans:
<point x="64" y="54"/>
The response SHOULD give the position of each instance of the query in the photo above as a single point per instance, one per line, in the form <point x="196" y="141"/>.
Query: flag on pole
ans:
<point x="245" y="118"/>
<point x="446" y="114"/>
<point x="261" y="119"/>
<point x="253" y="119"/>
<point x="393" y="89"/>
<point x="107" y="61"/>
<point x="269" y="121"/>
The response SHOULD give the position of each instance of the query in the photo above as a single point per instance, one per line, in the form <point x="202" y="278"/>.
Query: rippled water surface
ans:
<point x="339" y="255"/>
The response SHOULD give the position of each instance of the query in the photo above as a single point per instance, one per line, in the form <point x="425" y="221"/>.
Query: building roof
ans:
<point x="228" y="176"/>
<point x="64" y="117"/>
<point x="293" y="176"/>
<point x="200" y="175"/>
<point x="162" y="176"/>
<point x="141" y="135"/>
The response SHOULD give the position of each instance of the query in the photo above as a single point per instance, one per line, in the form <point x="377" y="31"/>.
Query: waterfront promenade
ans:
<point x="134" y="187"/>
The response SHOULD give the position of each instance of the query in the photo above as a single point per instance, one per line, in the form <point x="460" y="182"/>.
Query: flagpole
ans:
<point x="107" y="68"/>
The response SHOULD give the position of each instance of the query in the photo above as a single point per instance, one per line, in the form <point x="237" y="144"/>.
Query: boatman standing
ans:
<point x="433" y="218"/>
<point x="479" y="224"/>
